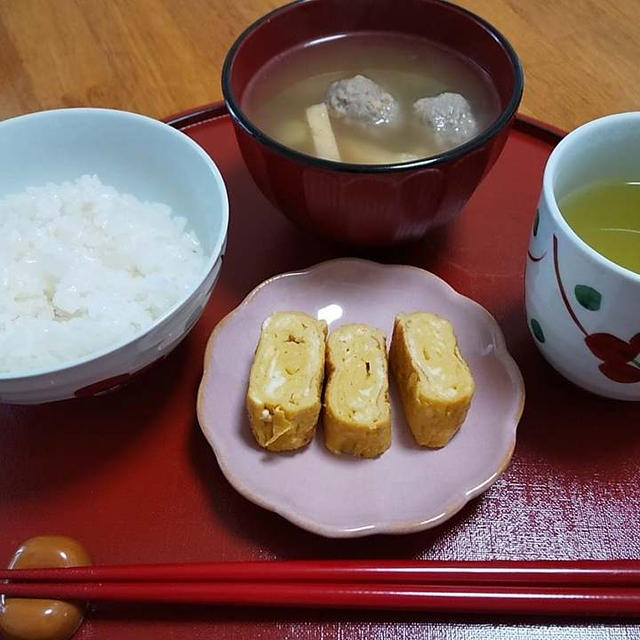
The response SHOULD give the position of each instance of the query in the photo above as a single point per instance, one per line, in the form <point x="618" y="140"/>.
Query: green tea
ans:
<point x="606" y="216"/>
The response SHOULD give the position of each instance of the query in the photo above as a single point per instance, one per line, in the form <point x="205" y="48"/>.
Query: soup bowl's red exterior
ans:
<point x="370" y="204"/>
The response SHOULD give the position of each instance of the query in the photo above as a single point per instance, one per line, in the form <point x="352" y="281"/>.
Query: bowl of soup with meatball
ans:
<point x="371" y="123"/>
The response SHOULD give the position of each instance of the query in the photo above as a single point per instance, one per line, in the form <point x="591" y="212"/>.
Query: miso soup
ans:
<point x="301" y="98"/>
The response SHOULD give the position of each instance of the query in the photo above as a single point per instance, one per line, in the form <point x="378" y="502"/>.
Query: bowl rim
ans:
<point x="212" y="260"/>
<point x="493" y="129"/>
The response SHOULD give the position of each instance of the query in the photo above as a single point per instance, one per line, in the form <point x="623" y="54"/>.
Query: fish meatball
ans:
<point x="450" y="117"/>
<point x="361" y="100"/>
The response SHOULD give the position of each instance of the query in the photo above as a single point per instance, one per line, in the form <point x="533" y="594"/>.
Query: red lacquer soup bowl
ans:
<point x="370" y="204"/>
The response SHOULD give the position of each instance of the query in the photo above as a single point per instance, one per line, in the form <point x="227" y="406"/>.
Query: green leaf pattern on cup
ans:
<point x="588" y="297"/>
<point x="620" y="358"/>
<point x="537" y="330"/>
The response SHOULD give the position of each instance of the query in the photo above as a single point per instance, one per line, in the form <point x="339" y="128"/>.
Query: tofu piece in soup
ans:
<point x="324" y="142"/>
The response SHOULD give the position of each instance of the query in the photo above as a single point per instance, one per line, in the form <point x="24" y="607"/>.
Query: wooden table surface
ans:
<point x="159" y="57"/>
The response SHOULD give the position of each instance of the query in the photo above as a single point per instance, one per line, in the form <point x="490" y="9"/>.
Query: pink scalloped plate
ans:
<point x="406" y="489"/>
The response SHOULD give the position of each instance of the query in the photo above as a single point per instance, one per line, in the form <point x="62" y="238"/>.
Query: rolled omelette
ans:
<point x="357" y="413"/>
<point x="285" y="382"/>
<point x="433" y="379"/>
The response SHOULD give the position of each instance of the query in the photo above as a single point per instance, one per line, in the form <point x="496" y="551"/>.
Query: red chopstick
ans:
<point x="587" y="573"/>
<point x="603" y="601"/>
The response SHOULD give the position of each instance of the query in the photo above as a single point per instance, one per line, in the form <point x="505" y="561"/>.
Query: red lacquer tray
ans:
<point x="132" y="477"/>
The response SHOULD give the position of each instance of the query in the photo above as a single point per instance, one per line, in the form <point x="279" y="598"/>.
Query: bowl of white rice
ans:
<point x="112" y="231"/>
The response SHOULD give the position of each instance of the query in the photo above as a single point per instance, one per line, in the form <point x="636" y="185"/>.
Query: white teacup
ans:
<point x="583" y="310"/>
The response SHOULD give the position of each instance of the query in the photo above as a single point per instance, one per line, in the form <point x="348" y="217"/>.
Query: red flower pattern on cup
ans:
<point x="620" y="359"/>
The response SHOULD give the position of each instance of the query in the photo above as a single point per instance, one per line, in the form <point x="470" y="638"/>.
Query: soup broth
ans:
<point x="407" y="67"/>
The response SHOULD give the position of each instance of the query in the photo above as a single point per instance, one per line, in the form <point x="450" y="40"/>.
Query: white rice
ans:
<point x="83" y="267"/>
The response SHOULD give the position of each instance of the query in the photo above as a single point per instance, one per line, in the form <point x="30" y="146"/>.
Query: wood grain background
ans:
<point x="159" y="57"/>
